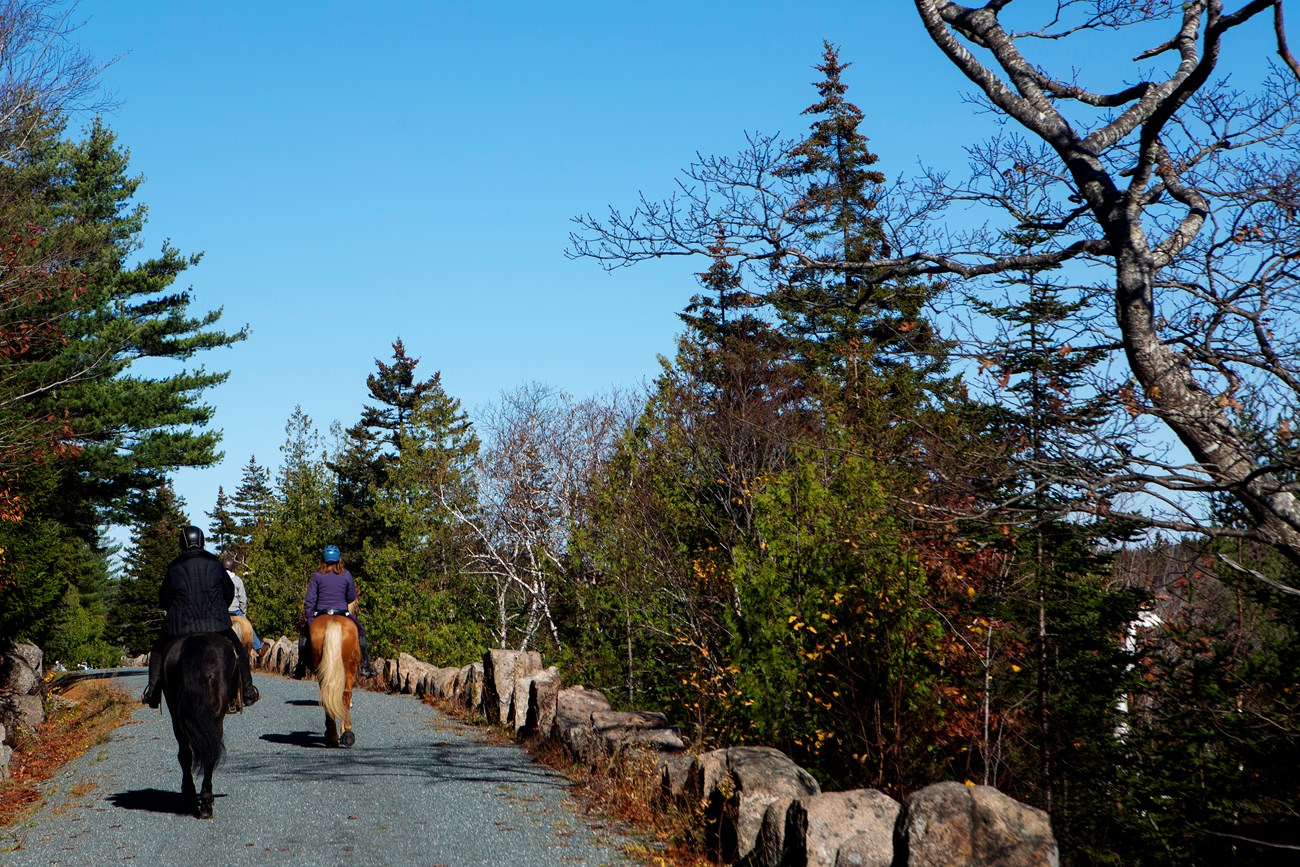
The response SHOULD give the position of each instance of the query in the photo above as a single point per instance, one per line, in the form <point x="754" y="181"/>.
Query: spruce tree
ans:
<point x="1059" y="615"/>
<point x="250" y="504"/>
<point x="415" y="572"/>
<point x="223" y="532"/>
<point x="298" y="523"/>
<point x="864" y="337"/>
<point x="135" y="617"/>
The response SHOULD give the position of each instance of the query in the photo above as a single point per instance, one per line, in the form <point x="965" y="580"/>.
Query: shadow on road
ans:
<point x="310" y="740"/>
<point x="303" y="702"/>
<point x="152" y="801"/>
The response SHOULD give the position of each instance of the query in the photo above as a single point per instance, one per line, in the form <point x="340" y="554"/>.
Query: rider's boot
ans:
<point x="367" y="670"/>
<point x="152" y="694"/>
<point x="300" y="670"/>
<point x="248" y="691"/>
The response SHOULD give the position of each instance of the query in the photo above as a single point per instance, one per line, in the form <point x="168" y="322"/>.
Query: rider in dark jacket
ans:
<point x="196" y="593"/>
<point x="331" y="588"/>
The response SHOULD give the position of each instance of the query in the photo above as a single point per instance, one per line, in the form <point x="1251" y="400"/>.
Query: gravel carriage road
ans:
<point x="419" y="788"/>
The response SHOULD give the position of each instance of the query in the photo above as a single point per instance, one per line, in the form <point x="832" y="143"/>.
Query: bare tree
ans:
<point x="1179" y="192"/>
<point x="542" y="446"/>
<point x="43" y="72"/>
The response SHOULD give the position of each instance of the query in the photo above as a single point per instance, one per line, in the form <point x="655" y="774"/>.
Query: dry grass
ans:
<point x="626" y="792"/>
<point x="90" y="711"/>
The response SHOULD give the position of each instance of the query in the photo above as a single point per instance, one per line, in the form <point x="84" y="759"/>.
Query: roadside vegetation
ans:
<point x="80" y="717"/>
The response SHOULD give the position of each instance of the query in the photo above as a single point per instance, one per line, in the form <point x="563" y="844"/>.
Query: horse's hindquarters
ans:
<point x="337" y="653"/>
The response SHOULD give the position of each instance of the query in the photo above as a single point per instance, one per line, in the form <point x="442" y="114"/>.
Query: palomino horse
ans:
<point x="337" y="654"/>
<point x="244" y="629"/>
<point x="200" y="680"/>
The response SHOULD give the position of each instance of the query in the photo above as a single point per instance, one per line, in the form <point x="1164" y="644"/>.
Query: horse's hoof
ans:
<point x="348" y="739"/>
<point x="205" y="808"/>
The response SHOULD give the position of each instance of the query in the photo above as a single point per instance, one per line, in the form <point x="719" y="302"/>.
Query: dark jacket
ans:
<point x="196" y="593"/>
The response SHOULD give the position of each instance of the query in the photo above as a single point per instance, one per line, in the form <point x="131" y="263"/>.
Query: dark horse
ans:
<point x="200" y="681"/>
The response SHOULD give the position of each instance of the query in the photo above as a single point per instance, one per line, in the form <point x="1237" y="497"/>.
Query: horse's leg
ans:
<point x="348" y="738"/>
<point x="186" y="757"/>
<point x="205" y="797"/>
<point x="331" y="732"/>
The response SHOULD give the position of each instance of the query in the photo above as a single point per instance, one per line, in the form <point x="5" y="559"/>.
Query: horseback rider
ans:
<point x="239" y="604"/>
<point x="196" y="593"/>
<point x="330" y="591"/>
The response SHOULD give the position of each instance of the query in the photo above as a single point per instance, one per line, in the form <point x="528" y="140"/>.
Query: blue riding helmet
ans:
<point x="332" y="554"/>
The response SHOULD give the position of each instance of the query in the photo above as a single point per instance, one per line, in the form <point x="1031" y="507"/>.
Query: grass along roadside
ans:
<point x="78" y="718"/>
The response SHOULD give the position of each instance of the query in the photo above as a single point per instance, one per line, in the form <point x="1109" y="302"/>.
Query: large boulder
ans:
<point x="29" y="653"/>
<point x="574" y="706"/>
<point x="953" y="825"/>
<point x="675" y="770"/>
<point x="542" y="691"/>
<point x="501" y="668"/>
<point x="21" y="713"/>
<point x="467" y="691"/>
<point x="410" y="674"/>
<point x="770" y="845"/>
<point x="614" y="731"/>
<point x="737" y="785"/>
<point x="440" y="682"/>
<point x="280" y="655"/>
<point x="817" y="828"/>
<point x="17" y="677"/>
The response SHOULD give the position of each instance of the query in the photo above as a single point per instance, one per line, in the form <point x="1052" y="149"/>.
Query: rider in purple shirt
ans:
<point x="330" y="590"/>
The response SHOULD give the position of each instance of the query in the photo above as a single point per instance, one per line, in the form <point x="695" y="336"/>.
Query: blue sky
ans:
<point x="355" y="173"/>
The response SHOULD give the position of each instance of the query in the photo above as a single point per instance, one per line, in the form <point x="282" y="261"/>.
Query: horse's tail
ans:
<point x="329" y="671"/>
<point x="203" y="682"/>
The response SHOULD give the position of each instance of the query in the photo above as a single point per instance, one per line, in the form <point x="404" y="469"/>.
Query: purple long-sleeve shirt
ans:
<point x="328" y="590"/>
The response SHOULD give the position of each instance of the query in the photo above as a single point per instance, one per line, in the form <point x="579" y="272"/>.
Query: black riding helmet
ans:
<point x="191" y="538"/>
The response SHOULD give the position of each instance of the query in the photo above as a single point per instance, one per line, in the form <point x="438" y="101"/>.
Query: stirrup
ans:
<point x="151" y="696"/>
<point x="251" y="695"/>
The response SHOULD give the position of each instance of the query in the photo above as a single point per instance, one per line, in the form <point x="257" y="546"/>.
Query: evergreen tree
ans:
<point x="397" y="393"/>
<point x="373" y="447"/>
<point x="223" y="532"/>
<point x="1056" y="613"/>
<point x="360" y="470"/>
<point x="298" y="524"/>
<point x="135" y="617"/>
<point x="415" y="574"/>
<point x="84" y="439"/>
<point x="865" y="338"/>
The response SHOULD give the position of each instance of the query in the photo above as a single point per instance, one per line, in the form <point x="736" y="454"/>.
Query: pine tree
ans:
<point x="83" y="439"/>
<point x="288" y="540"/>
<point x="223" y="532"/>
<point x="397" y="393"/>
<point x="1058" y="615"/>
<point x="372" y="449"/>
<point x="135" y="617"/>
<point x="415" y="573"/>
<point x="251" y="504"/>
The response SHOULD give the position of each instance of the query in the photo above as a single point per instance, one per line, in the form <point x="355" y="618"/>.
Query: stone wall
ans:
<point x="761" y="809"/>
<point x="22" y="697"/>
